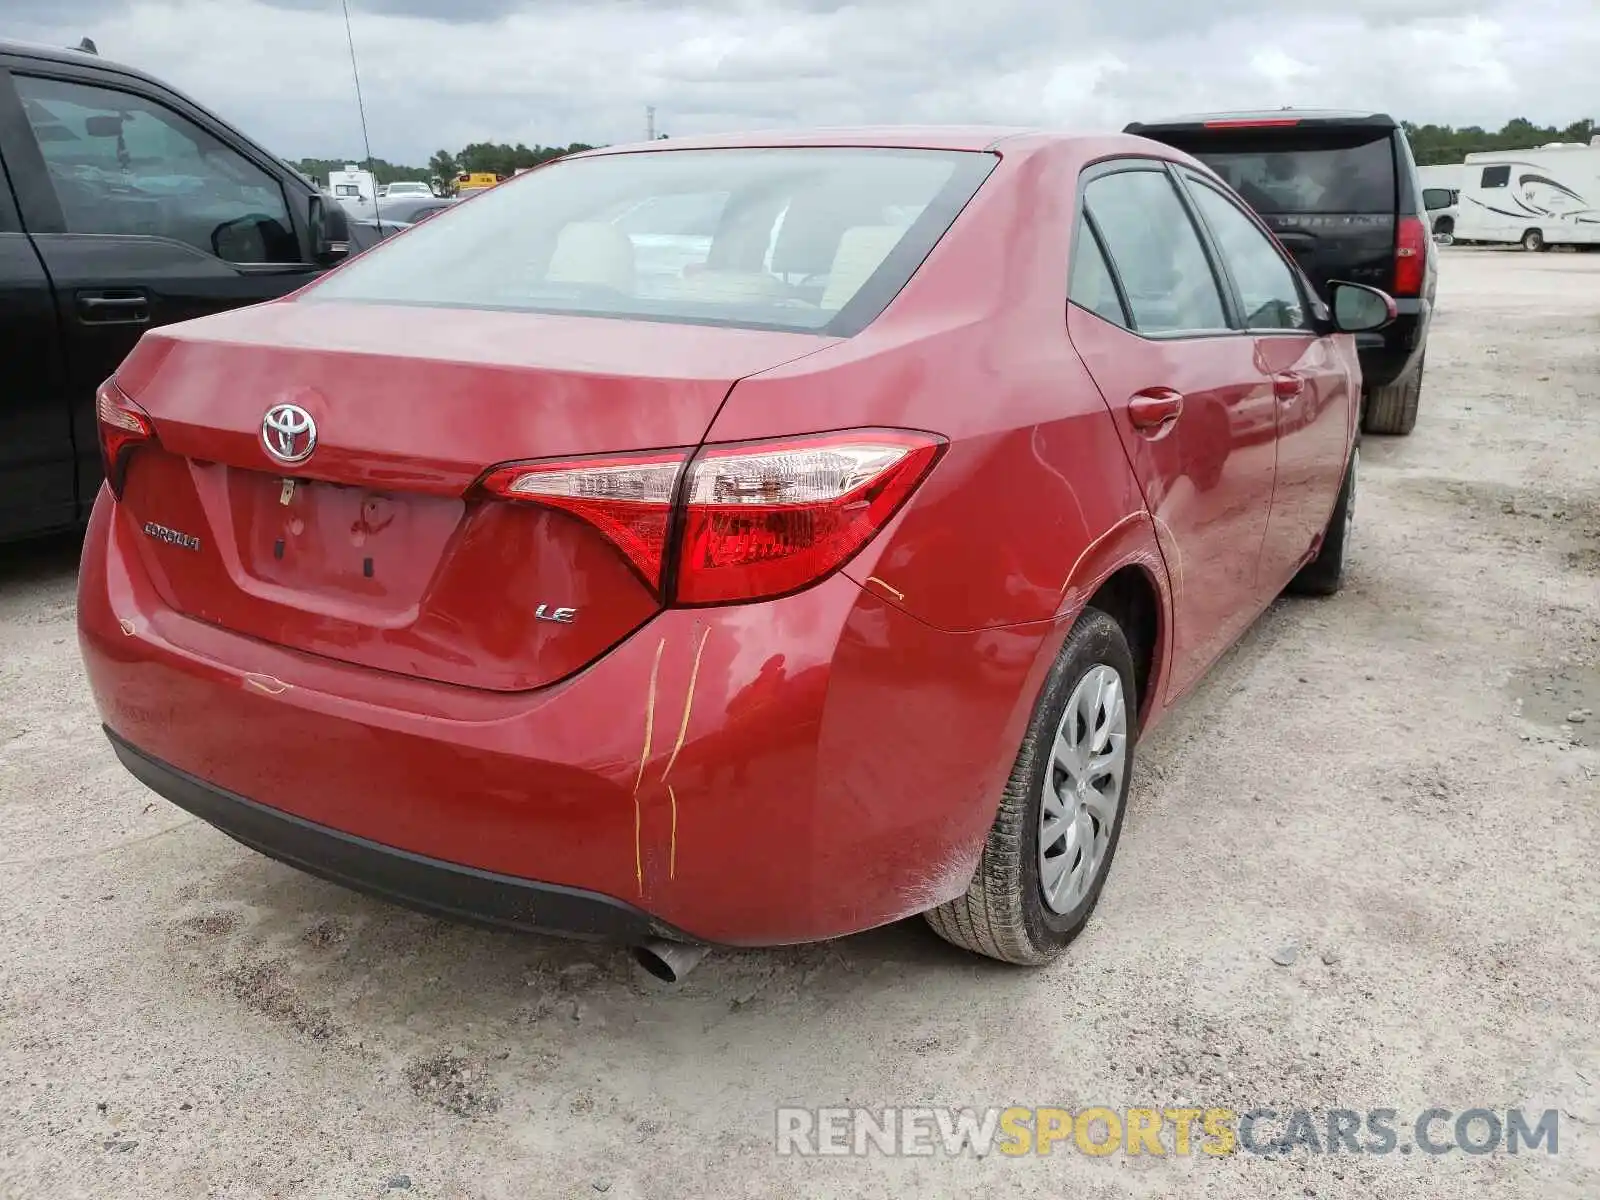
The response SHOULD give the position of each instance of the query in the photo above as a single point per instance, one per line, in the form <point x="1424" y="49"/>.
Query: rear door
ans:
<point x="1316" y="404"/>
<point x="36" y="467"/>
<point x="1330" y="191"/>
<point x="1193" y="407"/>
<point x="141" y="214"/>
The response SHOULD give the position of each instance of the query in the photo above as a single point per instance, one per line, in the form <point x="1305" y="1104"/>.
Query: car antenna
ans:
<point x="366" y="142"/>
<point x="88" y="47"/>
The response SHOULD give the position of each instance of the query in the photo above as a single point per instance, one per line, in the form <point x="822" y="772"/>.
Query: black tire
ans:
<point x="1393" y="409"/>
<point x="1003" y="914"/>
<point x="1533" y="239"/>
<point x="1445" y="225"/>
<point x="1324" y="574"/>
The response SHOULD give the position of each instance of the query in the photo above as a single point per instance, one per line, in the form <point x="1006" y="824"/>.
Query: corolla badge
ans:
<point x="288" y="433"/>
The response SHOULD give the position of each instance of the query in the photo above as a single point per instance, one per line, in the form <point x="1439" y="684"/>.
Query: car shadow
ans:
<point x="346" y="970"/>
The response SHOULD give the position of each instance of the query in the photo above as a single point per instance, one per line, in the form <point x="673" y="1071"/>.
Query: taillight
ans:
<point x="626" y="498"/>
<point x="753" y="521"/>
<point x="764" y="520"/>
<point x="1410" y="256"/>
<point x="124" y="426"/>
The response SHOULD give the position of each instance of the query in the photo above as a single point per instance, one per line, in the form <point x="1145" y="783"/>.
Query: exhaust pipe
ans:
<point x="668" y="961"/>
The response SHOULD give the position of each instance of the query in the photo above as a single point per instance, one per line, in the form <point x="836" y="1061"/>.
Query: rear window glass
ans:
<point x="1323" y="175"/>
<point x="797" y="238"/>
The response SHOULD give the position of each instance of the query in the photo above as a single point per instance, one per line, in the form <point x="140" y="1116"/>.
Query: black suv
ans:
<point x="1342" y="192"/>
<point x="123" y="205"/>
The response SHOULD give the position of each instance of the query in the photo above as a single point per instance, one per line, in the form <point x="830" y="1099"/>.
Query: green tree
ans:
<point x="443" y="166"/>
<point x="1433" y="144"/>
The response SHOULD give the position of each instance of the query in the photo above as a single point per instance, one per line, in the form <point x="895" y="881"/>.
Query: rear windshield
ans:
<point x="799" y="238"/>
<point x="1323" y="172"/>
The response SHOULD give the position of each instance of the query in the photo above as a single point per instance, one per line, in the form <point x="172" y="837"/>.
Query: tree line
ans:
<point x="479" y="157"/>
<point x="1444" y="144"/>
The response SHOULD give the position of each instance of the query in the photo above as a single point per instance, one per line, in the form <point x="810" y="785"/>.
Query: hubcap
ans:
<point x="1082" y="789"/>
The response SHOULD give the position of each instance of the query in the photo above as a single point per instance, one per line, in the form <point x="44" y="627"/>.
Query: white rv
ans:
<point x="353" y="187"/>
<point x="1549" y="196"/>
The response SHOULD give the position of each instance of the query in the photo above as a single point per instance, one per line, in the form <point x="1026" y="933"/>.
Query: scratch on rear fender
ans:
<point x="940" y="881"/>
<point x="895" y="592"/>
<point x="644" y="757"/>
<point x="267" y="684"/>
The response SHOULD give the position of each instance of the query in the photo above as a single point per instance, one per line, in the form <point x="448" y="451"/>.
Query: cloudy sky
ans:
<point x="441" y="73"/>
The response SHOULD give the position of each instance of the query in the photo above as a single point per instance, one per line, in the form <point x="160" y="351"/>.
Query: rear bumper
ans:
<point x="1393" y="352"/>
<point x="439" y="888"/>
<point x="754" y="775"/>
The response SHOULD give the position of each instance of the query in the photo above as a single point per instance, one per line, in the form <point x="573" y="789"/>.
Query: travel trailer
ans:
<point x="1538" y="198"/>
<point x="353" y="186"/>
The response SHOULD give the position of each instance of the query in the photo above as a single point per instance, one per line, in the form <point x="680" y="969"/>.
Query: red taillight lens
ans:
<point x="1410" y="256"/>
<point x="626" y="498"/>
<point x="764" y="520"/>
<point x="755" y="520"/>
<point x="124" y="426"/>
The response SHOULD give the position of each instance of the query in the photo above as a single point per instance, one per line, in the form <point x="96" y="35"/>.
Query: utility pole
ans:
<point x="650" y="123"/>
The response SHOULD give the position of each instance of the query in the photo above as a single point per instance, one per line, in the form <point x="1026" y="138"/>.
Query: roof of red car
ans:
<point x="920" y="137"/>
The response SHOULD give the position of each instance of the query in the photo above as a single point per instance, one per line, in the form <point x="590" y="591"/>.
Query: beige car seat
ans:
<point x="593" y="252"/>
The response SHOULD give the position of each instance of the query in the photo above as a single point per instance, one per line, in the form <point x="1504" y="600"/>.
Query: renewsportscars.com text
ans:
<point x="1096" y="1131"/>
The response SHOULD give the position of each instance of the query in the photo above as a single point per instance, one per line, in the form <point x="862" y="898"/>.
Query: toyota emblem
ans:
<point x="288" y="433"/>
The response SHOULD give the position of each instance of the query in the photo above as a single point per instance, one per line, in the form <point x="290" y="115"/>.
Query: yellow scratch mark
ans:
<point x="672" y="846"/>
<point x="267" y="684"/>
<point x="644" y="757"/>
<point x="895" y="592"/>
<point x="688" y="705"/>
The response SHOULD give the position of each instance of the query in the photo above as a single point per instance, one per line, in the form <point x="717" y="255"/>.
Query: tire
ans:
<point x="1533" y="239"/>
<point x="1393" y="409"/>
<point x="1324" y="574"/>
<point x="1004" y="913"/>
<point x="1445" y="225"/>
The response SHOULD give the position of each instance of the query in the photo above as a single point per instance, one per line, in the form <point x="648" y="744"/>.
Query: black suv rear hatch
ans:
<point x="1329" y="185"/>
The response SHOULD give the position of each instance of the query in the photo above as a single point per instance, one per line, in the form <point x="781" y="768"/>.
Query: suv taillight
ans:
<point x="123" y="427"/>
<point x="1410" y="256"/>
<point x="738" y="522"/>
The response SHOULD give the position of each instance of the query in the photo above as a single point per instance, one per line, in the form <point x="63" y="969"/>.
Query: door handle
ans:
<point x="1288" y="386"/>
<point x="1155" y="408"/>
<point x="109" y="308"/>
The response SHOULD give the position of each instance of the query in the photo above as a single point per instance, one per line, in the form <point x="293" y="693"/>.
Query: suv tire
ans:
<point x="1393" y="409"/>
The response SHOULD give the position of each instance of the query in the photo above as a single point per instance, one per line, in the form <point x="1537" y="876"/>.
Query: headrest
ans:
<point x="593" y="252"/>
<point x="861" y="249"/>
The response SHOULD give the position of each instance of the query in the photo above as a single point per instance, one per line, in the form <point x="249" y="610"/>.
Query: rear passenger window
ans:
<point x="1267" y="289"/>
<point x="1092" y="286"/>
<point x="1155" y="252"/>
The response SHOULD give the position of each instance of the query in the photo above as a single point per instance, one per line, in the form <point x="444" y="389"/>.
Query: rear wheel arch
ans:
<point x="1131" y="597"/>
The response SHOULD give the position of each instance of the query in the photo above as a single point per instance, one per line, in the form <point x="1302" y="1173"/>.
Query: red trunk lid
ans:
<point x="377" y="550"/>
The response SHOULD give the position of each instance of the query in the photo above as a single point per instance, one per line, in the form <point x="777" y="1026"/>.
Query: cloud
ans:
<point x="441" y="73"/>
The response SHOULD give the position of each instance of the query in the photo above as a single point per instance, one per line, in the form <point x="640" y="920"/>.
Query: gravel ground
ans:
<point x="1383" y="788"/>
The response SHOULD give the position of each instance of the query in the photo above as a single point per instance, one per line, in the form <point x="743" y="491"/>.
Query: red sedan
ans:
<point x="728" y="542"/>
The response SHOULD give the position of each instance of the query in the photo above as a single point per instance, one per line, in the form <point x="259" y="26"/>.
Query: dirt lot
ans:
<point x="1386" y="782"/>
